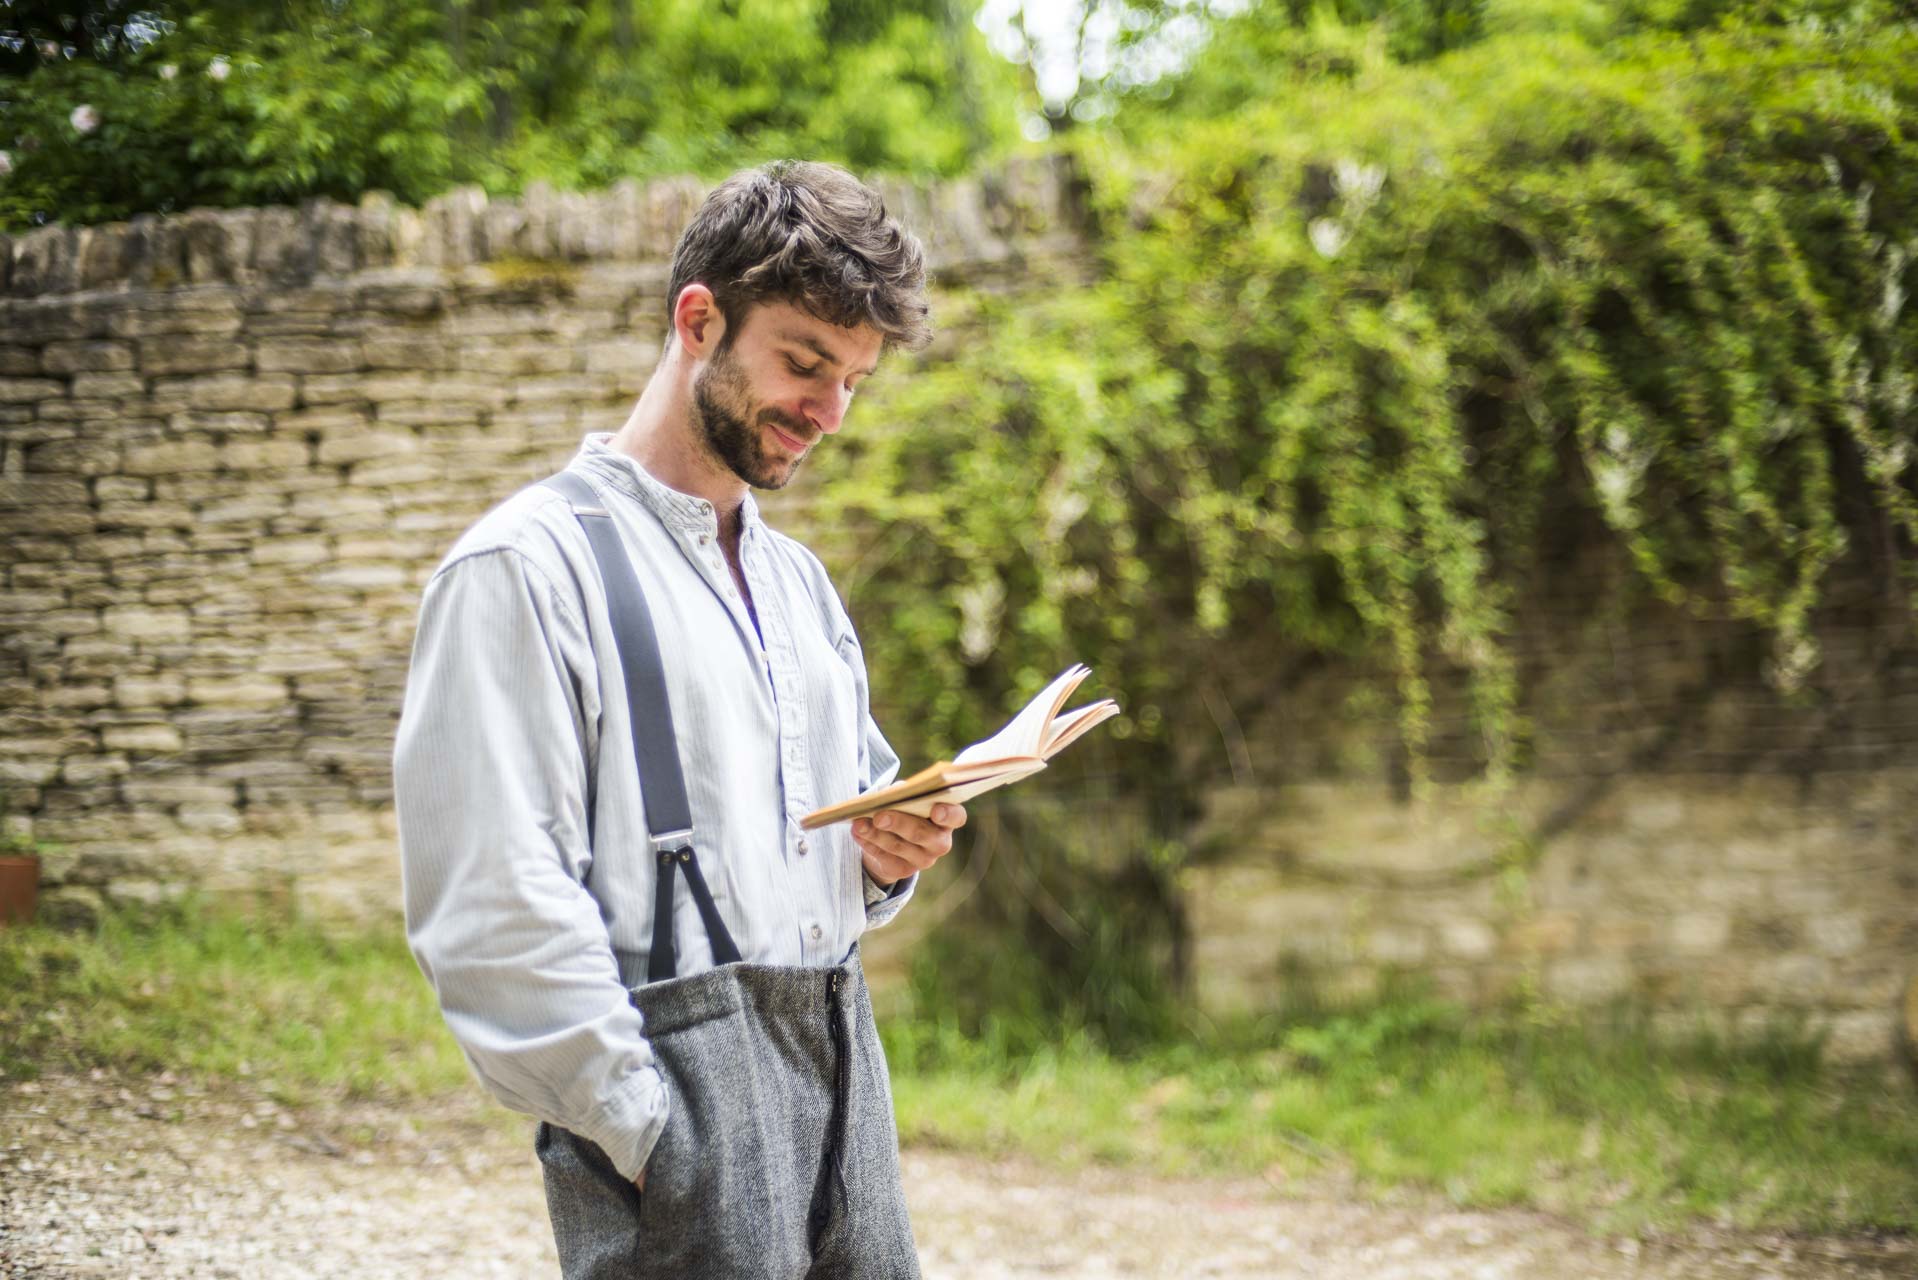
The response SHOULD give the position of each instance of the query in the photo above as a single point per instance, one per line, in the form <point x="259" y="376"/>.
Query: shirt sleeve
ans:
<point x="491" y="777"/>
<point x="878" y="763"/>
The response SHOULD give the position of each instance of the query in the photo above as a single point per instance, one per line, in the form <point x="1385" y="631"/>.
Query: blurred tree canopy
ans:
<point x="122" y="106"/>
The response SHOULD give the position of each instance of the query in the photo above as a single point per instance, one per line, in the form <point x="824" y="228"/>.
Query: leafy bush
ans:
<point x="1350" y="346"/>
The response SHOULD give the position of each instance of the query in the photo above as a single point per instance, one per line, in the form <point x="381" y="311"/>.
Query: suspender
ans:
<point x="669" y="816"/>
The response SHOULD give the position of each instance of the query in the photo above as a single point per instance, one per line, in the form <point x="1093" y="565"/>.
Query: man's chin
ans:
<point x="771" y="475"/>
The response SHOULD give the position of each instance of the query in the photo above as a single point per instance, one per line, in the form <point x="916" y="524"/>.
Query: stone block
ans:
<point x="1587" y="979"/>
<point x="1802" y="980"/>
<point x="173" y="458"/>
<point x="145" y="892"/>
<point x="576" y="389"/>
<point x="297" y="356"/>
<point x="1837" y="933"/>
<point x="265" y="455"/>
<point x="81" y="456"/>
<point x="18" y="362"/>
<point x="344" y="447"/>
<point x="176" y="354"/>
<point x="395" y="471"/>
<point x="250" y="510"/>
<point x="372" y="388"/>
<point x="1546" y="933"/>
<point x="140" y="692"/>
<point x="1399" y="945"/>
<point x="142" y="623"/>
<point x="166" y="792"/>
<point x="222" y="423"/>
<point x="143" y="737"/>
<point x="407" y="414"/>
<point x="513" y="359"/>
<point x="17" y="772"/>
<point x="1700" y="932"/>
<point x="76" y="696"/>
<point x="417" y="294"/>
<point x="361" y="577"/>
<point x="237" y="691"/>
<point x="395" y="351"/>
<point x="213" y="819"/>
<point x="30" y="390"/>
<point x="88" y="387"/>
<point x="83" y="771"/>
<point x="87" y="357"/>
<point x="264" y="394"/>
<point x="81" y="413"/>
<point x="169" y="318"/>
<point x="19" y="606"/>
<point x="291" y="551"/>
<point x="1859" y="1036"/>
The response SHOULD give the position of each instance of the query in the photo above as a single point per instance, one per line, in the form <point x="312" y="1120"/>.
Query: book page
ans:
<point x="1025" y="735"/>
<point x="1068" y="728"/>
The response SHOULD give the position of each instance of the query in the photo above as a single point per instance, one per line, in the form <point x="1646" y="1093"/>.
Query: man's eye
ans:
<point x="804" y="370"/>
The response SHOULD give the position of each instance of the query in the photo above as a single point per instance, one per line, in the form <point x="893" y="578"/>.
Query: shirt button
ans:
<point x="804" y="848"/>
<point x="705" y="538"/>
<point x="817" y="933"/>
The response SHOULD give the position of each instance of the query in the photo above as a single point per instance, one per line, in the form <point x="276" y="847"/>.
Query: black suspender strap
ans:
<point x="669" y="816"/>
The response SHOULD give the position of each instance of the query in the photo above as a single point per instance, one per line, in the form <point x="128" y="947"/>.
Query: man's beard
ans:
<point x="736" y="443"/>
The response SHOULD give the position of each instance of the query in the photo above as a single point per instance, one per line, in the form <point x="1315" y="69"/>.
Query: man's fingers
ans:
<point x="918" y="855"/>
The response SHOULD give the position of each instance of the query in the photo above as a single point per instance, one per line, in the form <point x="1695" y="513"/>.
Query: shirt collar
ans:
<point x="674" y="509"/>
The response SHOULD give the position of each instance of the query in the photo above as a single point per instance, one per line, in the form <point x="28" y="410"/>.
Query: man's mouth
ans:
<point x="793" y="443"/>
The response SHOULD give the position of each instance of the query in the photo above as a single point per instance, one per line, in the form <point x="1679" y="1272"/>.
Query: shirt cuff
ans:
<point x="630" y="1121"/>
<point x="883" y="904"/>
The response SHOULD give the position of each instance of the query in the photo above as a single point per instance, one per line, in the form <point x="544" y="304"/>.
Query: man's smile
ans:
<point x="793" y="443"/>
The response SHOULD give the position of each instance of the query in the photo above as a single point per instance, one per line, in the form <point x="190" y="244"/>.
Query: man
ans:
<point x="700" y="1117"/>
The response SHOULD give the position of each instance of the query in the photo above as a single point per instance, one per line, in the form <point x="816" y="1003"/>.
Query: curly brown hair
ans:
<point x="810" y="234"/>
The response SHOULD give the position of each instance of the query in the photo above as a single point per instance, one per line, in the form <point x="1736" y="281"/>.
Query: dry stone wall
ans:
<point x="1686" y="836"/>
<point x="234" y="444"/>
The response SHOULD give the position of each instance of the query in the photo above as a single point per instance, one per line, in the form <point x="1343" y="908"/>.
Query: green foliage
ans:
<point x="1350" y="345"/>
<point x="1363" y="355"/>
<point x="239" y="105"/>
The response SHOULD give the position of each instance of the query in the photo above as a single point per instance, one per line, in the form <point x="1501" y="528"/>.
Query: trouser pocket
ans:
<point x="595" y="1212"/>
<point x="707" y="1208"/>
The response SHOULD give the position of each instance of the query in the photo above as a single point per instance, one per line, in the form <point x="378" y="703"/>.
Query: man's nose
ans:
<point x="827" y="410"/>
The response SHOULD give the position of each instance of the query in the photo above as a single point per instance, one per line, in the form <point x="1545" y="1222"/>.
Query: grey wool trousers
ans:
<point x="779" y="1159"/>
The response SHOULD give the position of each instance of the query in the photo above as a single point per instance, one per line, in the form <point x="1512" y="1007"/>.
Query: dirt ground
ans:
<point x="153" y="1179"/>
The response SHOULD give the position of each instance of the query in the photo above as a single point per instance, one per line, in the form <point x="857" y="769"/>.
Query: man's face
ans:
<point x="782" y="382"/>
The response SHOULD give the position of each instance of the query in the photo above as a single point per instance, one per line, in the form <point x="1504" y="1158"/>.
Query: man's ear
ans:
<point x="697" y="321"/>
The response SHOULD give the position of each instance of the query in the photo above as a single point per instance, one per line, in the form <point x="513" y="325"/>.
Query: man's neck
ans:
<point x="660" y="436"/>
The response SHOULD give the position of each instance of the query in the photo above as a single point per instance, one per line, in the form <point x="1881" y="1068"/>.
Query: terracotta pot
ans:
<point x="19" y="887"/>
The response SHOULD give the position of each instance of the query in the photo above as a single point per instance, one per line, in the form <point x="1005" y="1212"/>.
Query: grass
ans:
<point x="1598" y="1119"/>
<point x="296" y="1010"/>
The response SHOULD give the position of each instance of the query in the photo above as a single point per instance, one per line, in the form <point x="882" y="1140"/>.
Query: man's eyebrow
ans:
<point x="821" y="350"/>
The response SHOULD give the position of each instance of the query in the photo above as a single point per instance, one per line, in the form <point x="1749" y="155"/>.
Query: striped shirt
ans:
<point x="515" y="723"/>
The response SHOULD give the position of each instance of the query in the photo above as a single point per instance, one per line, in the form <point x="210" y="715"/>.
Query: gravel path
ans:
<point x="152" y="1179"/>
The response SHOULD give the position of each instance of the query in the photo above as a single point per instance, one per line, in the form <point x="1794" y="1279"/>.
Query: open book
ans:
<point x="1022" y="748"/>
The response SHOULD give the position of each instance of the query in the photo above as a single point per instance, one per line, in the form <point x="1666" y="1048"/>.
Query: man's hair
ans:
<point x="812" y="235"/>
